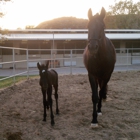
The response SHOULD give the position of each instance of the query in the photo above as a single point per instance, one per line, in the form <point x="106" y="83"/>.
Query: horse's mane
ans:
<point x="94" y="17"/>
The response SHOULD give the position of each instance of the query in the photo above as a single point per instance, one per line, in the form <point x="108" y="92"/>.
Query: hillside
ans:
<point x="64" y="23"/>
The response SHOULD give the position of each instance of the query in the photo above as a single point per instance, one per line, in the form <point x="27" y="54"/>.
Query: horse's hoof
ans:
<point x="94" y="125"/>
<point x="99" y="113"/>
<point x="44" y="120"/>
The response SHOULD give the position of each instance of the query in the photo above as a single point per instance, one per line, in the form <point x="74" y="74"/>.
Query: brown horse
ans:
<point x="99" y="58"/>
<point x="48" y="78"/>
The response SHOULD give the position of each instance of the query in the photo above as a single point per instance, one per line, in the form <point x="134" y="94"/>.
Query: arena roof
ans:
<point x="70" y="30"/>
<point x="68" y="34"/>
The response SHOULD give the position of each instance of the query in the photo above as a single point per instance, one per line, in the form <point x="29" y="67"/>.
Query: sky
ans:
<point x="21" y="13"/>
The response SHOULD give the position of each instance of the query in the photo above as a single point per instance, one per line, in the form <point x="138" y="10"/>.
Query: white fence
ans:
<point x="64" y="61"/>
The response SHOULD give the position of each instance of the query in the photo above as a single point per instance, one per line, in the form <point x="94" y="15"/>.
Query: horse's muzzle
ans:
<point x="93" y="49"/>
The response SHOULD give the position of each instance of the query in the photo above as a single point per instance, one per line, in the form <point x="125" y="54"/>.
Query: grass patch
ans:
<point x="10" y="81"/>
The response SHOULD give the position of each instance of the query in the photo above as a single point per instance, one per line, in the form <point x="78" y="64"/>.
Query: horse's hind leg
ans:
<point x="49" y="92"/>
<point x="56" y="98"/>
<point x="102" y="95"/>
<point x="47" y="104"/>
<point x="105" y="92"/>
<point x="44" y="103"/>
<point x="94" y="87"/>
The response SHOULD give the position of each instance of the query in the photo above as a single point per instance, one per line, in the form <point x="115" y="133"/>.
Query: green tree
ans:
<point x="2" y="2"/>
<point x="125" y="15"/>
<point x="124" y="7"/>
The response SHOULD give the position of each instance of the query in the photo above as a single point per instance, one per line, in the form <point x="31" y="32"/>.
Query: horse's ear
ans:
<point x="103" y="12"/>
<point x="38" y="65"/>
<point x="89" y="14"/>
<point x="47" y="64"/>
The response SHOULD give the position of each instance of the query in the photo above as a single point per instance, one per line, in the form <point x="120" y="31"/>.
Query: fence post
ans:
<point x="71" y="61"/>
<point x="127" y="59"/>
<point x="27" y="53"/>
<point x="14" y="65"/>
<point x="52" y="50"/>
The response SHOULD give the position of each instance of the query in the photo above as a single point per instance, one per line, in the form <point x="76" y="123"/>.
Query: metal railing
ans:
<point x="68" y="58"/>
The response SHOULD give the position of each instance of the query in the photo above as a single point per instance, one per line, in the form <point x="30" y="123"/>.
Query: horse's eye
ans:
<point x="43" y="71"/>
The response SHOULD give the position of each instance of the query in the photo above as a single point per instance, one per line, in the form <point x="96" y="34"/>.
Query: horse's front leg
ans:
<point x="49" y="92"/>
<point x="100" y="102"/>
<point x="44" y="103"/>
<point x="94" y="87"/>
<point x="56" y="98"/>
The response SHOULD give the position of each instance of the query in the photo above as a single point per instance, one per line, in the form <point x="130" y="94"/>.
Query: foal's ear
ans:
<point x="47" y="64"/>
<point x="103" y="12"/>
<point x="89" y="14"/>
<point x="38" y="65"/>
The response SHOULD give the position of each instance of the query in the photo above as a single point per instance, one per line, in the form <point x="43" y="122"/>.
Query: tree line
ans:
<point x="111" y="22"/>
<point x="121" y="15"/>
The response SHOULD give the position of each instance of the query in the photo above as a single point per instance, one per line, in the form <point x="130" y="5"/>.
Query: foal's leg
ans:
<point x="44" y="103"/>
<point x="56" y="98"/>
<point x="94" y="87"/>
<point x="49" y="92"/>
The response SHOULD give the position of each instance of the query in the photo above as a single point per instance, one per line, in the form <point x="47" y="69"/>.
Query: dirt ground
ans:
<point x="21" y="110"/>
